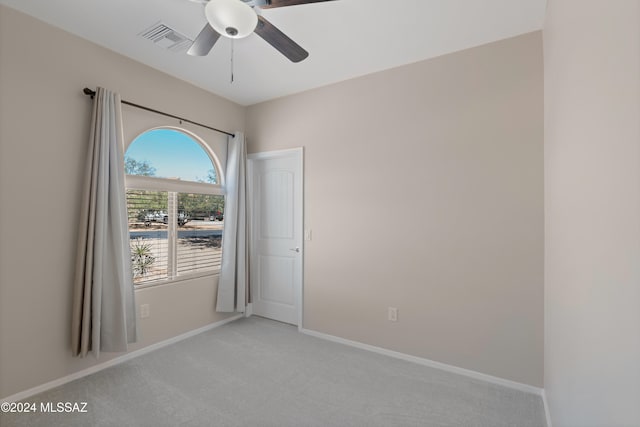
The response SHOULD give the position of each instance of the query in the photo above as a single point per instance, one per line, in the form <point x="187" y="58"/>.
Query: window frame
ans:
<point x="150" y="183"/>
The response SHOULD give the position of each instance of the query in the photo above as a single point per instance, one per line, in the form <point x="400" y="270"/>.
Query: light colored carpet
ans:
<point x="257" y="372"/>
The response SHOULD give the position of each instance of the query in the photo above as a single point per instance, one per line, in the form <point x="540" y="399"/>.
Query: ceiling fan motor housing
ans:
<point x="231" y="18"/>
<point x="236" y="19"/>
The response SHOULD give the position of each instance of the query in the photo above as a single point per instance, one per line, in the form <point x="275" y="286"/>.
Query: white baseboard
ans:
<point x="547" y="413"/>
<point x="430" y="363"/>
<point x="120" y="359"/>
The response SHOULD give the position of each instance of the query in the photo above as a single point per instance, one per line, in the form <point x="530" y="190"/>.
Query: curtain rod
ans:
<point x="92" y="93"/>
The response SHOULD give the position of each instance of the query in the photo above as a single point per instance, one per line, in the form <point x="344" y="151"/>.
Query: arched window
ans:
<point x="175" y="205"/>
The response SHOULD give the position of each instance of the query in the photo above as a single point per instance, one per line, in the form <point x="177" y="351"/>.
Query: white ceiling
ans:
<point x="345" y="38"/>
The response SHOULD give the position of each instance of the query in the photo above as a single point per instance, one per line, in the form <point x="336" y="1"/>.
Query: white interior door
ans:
<point x="275" y="202"/>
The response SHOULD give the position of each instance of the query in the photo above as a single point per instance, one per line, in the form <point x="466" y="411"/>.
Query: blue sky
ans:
<point x="172" y="153"/>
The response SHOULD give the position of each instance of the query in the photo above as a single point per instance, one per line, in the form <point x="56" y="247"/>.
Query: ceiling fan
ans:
<point x="237" y="19"/>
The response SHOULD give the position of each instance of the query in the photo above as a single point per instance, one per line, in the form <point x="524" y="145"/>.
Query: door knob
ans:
<point x="295" y="249"/>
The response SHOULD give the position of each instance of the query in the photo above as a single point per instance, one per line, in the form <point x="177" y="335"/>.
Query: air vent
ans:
<point x="166" y="37"/>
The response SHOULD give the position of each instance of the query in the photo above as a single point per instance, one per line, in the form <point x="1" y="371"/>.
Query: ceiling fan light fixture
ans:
<point x="231" y="18"/>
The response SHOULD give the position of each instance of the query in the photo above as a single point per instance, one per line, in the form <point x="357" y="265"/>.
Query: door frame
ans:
<point x="265" y="155"/>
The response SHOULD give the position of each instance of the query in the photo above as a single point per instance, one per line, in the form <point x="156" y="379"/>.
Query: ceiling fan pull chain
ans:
<point x="231" y="60"/>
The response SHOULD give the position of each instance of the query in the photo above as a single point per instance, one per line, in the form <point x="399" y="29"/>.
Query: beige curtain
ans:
<point x="103" y="317"/>
<point x="233" y="284"/>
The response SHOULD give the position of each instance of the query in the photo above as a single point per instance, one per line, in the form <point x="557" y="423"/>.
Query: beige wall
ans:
<point x="44" y="121"/>
<point x="424" y="191"/>
<point x="592" y="212"/>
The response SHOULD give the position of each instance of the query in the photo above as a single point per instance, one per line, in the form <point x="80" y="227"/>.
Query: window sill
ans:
<point x="176" y="280"/>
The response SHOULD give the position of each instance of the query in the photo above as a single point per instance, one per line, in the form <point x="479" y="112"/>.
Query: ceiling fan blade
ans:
<point x="204" y="42"/>
<point x="282" y="3"/>
<point x="276" y="38"/>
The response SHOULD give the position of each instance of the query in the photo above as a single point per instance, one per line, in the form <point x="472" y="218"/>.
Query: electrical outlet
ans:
<point x="144" y="311"/>
<point x="392" y="314"/>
